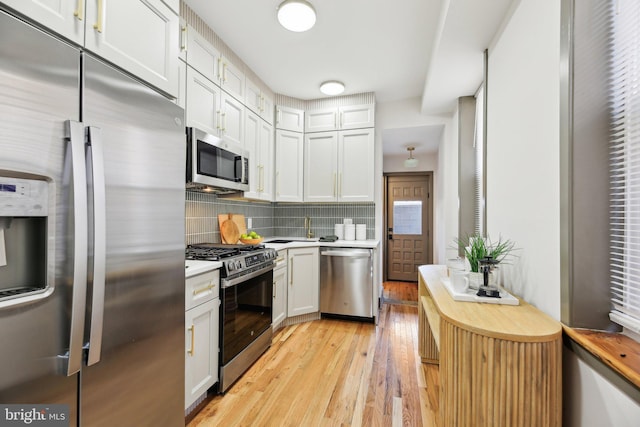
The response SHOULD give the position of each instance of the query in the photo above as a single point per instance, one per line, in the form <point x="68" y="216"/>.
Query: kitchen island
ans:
<point x="500" y="365"/>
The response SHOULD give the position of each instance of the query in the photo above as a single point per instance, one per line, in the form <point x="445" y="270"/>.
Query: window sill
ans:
<point x="617" y="351"/>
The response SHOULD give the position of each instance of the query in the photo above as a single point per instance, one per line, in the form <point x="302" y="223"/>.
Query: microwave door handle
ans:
<point x="74" y="134"/>
<point x="99" y="243"/>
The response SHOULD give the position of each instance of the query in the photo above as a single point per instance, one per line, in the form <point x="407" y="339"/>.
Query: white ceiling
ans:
<point x="397" y="49"/>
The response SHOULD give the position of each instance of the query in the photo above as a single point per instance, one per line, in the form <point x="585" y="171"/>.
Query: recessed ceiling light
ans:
<point x="332" y="87"/>
<point x="296" y="15"/>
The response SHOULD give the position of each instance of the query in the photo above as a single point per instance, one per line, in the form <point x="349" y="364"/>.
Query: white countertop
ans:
<point x="193" y="267"/>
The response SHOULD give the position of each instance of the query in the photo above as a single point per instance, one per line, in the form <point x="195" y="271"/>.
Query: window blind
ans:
<point x="624" y="168"/>
<point x="478" y="146"/>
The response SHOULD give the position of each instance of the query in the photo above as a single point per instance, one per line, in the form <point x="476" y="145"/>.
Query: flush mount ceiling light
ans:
<point x="410" y="162"/>
<point x="332" y="87"/>
<point x="296" y="15"/>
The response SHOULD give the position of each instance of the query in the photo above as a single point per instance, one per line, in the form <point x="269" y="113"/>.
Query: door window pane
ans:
<point x="407" y="217"/>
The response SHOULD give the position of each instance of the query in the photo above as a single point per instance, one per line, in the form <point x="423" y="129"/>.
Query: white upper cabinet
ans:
<point x="321" y="167"/>
<point x="339" y="166"/>
<point x="231" y="79"/>
<point x="356" y="117"/>
<point x="356" y="165"/>
<point x="340" y="118"/>
<point x="289" y="119"/>
<point x="231" y="119"/>
<point x="258" y="102"/>
<point x="65" y="17"/>
<point x="321" y="120"/>
<point x="289" y="166"/>
<point x="258" y="140"/>
<point x="203" y="103"/>
<point x="137" y="35"/>
<point x="208" y="60"/>
<point x="202" y="55"/>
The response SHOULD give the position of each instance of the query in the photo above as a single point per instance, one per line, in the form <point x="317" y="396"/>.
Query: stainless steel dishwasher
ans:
<point x="346" y="282"/>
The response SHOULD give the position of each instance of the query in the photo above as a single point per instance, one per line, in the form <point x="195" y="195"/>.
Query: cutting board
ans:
<point x="240" y="225"/>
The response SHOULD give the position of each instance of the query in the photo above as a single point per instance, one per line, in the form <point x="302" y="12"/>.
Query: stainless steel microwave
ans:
<point x="215" y="164"/>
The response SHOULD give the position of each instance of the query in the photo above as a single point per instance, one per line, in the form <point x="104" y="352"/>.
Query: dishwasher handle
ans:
<point x="348" y="253"/>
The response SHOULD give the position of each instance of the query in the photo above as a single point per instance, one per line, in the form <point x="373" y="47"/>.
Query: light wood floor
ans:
<point x="336" y="373"/>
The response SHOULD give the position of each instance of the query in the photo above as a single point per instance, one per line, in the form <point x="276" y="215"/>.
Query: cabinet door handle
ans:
<point x="192" y="351"/>
<point x="78" y="13"/>
<point x="218" y="120"/>
<point x="201" y="290"/>
<point x="291" y="273"/>
<point x="275" y="289"/>
<point x="98" y="25"/>
<point x="183" y="31"/>
<point x="335" y="185"/>
<point x="219" y="67"/>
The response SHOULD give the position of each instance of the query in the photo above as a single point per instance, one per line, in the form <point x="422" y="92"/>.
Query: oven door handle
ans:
<point x="227" y="283"/>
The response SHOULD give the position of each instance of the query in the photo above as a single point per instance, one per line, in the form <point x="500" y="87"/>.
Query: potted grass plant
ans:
<point x="476" y="247"/>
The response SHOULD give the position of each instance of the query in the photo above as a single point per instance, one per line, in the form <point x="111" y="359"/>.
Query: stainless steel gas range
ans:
<point x="246" y="288"/>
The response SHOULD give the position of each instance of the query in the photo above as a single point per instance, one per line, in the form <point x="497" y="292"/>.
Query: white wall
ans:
<point x="523" y="150"/>
<point x="523" y="190"/>
<point x="406" y="113"/>
<point x="426" y="162"/>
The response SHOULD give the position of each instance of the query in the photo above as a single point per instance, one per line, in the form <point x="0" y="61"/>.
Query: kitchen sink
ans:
<point x="291" y="240"/>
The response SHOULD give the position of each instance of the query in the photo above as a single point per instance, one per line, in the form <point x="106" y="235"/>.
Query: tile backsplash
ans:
<point x="271" y="219"/>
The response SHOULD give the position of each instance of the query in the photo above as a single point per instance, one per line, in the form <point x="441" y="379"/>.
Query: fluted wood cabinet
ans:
<point x="500" y="365"/>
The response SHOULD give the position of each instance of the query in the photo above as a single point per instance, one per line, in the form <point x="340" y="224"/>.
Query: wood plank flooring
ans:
<point x="336" y="373"/>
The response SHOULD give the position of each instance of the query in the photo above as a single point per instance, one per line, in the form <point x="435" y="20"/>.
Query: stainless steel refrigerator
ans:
<point x="92" y="273"/>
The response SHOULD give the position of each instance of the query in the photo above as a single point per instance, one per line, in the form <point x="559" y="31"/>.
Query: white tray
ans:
<point x="470" y="295"/>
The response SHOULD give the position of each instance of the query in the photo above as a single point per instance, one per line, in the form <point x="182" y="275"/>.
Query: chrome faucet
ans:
<point x="307" y="225"/>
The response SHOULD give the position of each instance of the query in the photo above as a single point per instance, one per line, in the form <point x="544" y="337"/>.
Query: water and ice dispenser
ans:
<point x="23" y="236"/>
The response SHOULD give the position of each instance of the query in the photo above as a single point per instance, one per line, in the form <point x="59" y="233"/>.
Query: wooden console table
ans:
<point x="500" y="365"/>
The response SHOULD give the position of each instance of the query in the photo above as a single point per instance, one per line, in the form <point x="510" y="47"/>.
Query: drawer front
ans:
<point x="201" y="288"/>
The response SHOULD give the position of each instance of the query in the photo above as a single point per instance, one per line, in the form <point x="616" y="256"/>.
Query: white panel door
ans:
<point x="321" y="120"/>
<point x="232" y="119"/>
<point x="289" y="166"/>
<point x="357" y="117"/>
<point x="321" y="167"/>
<point x="141" y="36"/>
<point x="232" y="80"/>
<point x="303" y="292"/>
<point x="201" y="349"/>
<point x="201" y="55"/>
<point x="267" y="111"/>
<point x="203" y="102"/>
<point x="65" y="17"/>
<point x="252" y="96"/>
<point x="267" y="151"/>
<point x="355" y="166"/>
<point x="279" y="295"/>
<point x="289" y="119"/>
<point x="252" y="145"/>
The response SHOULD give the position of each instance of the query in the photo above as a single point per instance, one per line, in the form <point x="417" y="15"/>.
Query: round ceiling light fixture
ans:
<point x="411" y="162"/>
<point x="332" y="87"/>
<point x="296" y="15"/>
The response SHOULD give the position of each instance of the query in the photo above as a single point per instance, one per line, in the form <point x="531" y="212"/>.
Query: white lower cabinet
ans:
<point x="202" y="305"/>
<point x="303" y="292"/>
<point x="279" y="290"/>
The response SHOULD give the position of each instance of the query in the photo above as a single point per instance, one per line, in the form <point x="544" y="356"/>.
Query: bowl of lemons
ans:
<point x="251" y="238"/>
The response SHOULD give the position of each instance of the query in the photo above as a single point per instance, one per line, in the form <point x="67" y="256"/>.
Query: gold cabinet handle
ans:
<point x="274" y="290"/>
<point x="219" y="66"/>
<point x="291" y="273"/>
<point x="191" y="351"/>
<point x="335" y="185"/>
<point x="79" y="13"/>
<point x="201" y="290"/>
<point x="98" y="25"/>
<point x="183" y="45"/>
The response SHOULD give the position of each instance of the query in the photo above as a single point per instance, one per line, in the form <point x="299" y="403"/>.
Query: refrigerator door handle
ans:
<point x="74" y="134"/>
<point x="96" y="159"/>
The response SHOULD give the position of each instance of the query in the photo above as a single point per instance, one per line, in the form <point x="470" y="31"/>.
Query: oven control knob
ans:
<point x="230" y="266"/>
